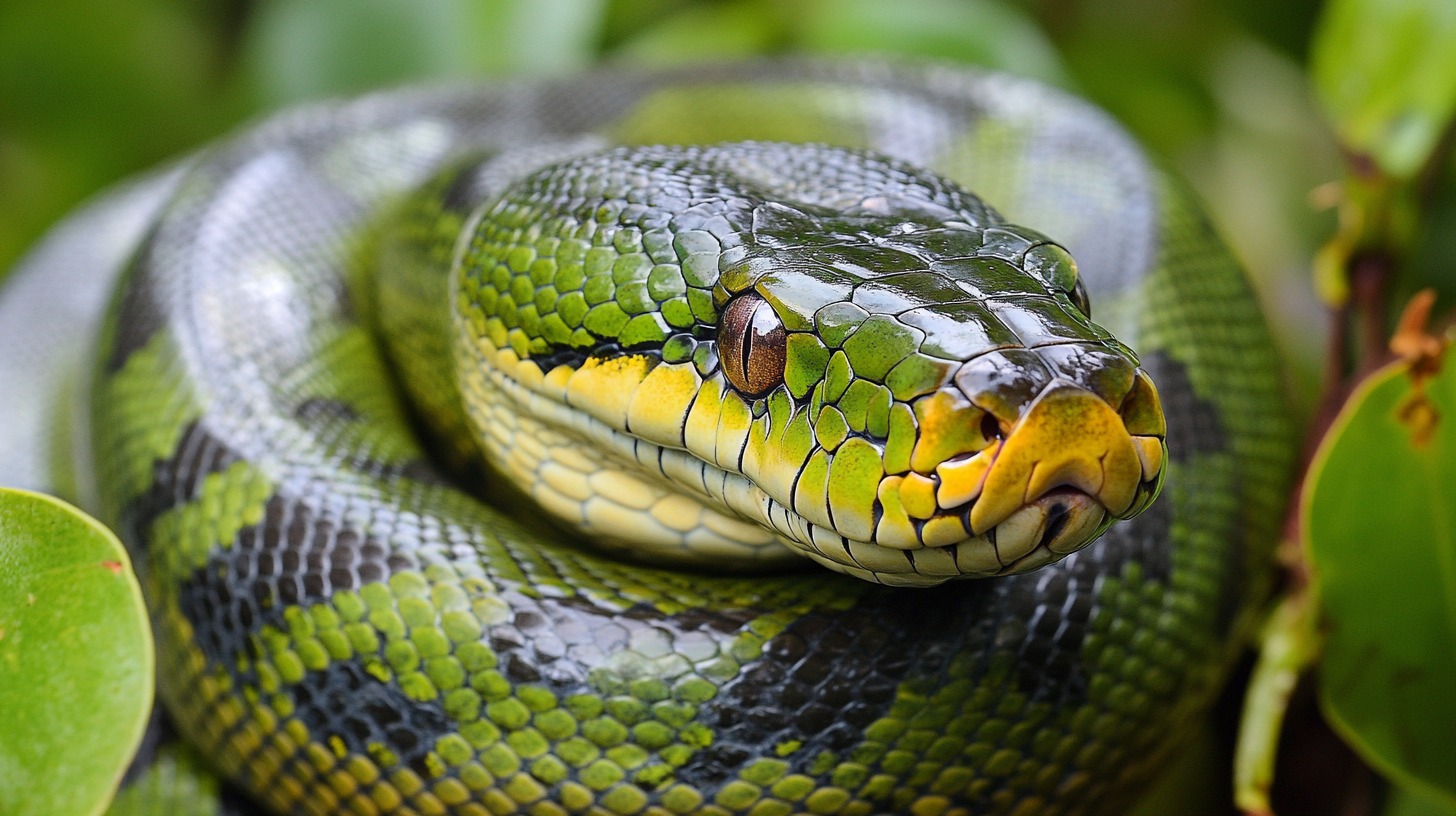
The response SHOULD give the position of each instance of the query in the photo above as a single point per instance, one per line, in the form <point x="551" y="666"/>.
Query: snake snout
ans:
<point x="1041" y="484"/>
<point x="1070" y="437"/>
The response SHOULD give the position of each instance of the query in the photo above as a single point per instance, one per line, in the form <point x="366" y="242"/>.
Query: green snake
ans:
<point x="474" y="447"/>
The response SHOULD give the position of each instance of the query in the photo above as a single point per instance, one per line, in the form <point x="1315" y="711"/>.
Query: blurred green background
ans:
<point x="93" y="90"/>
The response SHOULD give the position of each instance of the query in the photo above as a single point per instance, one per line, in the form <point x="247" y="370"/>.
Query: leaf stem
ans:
<point x="1289" y="644"/>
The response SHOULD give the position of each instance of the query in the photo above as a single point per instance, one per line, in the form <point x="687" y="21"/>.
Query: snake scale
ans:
<point x="717" y="319"/>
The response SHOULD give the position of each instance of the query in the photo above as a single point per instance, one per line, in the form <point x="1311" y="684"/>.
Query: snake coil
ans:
<point x="342" y="630"/>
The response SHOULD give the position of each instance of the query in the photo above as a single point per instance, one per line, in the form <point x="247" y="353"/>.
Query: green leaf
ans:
<point x="1380" y="525"/>
<point x="306" y="50"/>
<point x="706" y="31"/>
<point x="983" y="32"/>
<point x="300" y="50"/>
<point x="1406" y="802"/>
<point x="75" y="659"/>
<point x="1385" y="71"/>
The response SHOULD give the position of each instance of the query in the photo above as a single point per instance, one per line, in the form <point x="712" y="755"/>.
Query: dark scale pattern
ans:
<point x="554" y="642"/>
<point x="176" y="480"/>
<point x="836" y="674"/>
<point x="325" y="411"/>
<point x="343" y="702"/>
<point x="292" y="557"/>
<point x="821" y="681"/>
<point x="1201" y="432"/>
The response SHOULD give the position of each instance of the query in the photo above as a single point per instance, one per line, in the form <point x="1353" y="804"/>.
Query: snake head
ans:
<point x="794" y="345"/>
<point x="938" y="403"/>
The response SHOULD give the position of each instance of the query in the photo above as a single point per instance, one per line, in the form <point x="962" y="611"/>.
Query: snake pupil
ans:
<point x="752" y="344"/>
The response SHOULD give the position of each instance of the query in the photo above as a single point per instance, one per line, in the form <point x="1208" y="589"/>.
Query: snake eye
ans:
<point x="751" y="345"/>
<point x="1080" y="299"/>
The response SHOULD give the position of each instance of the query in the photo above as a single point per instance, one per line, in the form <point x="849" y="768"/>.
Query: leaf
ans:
<point x="306" y="50"/>
<point x="1385" y="71"/>
<point x="983" y="32"/>
<point x="298" y="51"/>
<point x="1379" y="514"/>
<point x="1406" y="802"/>
<point x="706" y="31"/>
<point x="75" y="659"/>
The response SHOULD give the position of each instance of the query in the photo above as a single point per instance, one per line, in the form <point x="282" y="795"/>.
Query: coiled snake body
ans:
<point x="709" y="313"/>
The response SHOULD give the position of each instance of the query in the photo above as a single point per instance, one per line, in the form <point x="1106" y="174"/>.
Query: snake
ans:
<point x="730" y="439"/>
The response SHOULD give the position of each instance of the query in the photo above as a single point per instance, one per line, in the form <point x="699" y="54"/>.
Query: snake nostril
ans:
<point x="990" y="427"/>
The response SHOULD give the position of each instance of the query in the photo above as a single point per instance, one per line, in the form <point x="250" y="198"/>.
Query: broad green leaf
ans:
<point x="1385" y="71"/>
<point x="1406" y="802"/>
<point x="75" y="659"/>
<point x="1380" y="522"/>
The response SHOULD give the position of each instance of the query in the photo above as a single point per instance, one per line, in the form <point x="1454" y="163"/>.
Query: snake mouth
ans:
<point x="1070" y="466"/>
<point x="1061" y="522"/>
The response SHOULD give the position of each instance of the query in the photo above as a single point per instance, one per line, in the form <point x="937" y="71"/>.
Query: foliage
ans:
<point x="1381" y="528"/>
<point x="1386" y="74"/>
<point x="75" y="659"/>
<point x="1374" y="607"/>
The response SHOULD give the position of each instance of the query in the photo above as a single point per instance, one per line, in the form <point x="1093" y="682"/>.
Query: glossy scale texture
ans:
<point x="344" y="631"/>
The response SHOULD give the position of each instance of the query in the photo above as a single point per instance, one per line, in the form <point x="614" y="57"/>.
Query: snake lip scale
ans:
<point x="710" y="321"/>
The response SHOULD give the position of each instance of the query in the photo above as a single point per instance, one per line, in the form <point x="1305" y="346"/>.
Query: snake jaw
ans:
<point x="1069" y="466"/>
